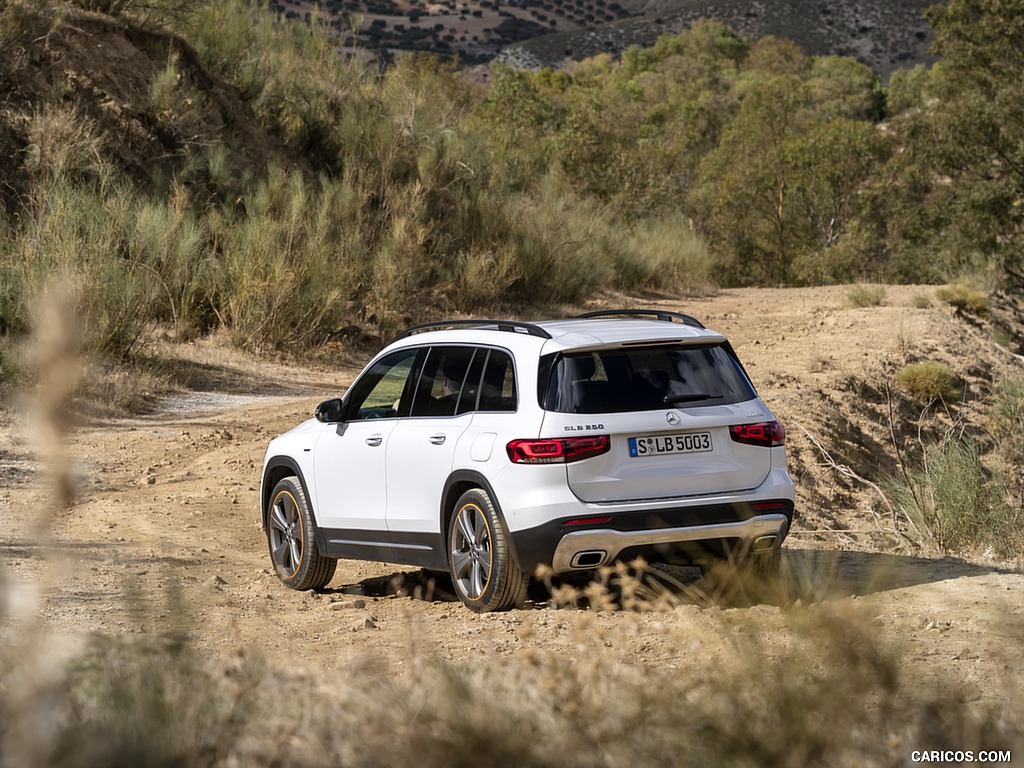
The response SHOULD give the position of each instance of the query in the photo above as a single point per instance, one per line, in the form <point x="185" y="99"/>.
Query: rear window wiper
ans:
<point x="691" y="397"/>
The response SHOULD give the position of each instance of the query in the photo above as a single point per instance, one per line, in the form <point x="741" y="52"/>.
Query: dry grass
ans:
<point x="862" y="295"/>
<point x="832" y="693"/>
<point x="967" y="299"/>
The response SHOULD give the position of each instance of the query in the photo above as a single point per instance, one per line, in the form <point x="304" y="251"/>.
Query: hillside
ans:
<point x="883" y="35"/>
<point x="551" y="33"/>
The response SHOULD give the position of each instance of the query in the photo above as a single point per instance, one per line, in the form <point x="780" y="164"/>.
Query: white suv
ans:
<point x="485" y="448"/>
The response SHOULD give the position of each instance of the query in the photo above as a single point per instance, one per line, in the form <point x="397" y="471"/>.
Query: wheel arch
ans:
<point x="275" y="470"/>
<point x="457" y="484"/>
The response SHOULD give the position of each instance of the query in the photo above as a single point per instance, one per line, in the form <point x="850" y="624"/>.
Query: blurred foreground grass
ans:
<point x="815" y="684"/>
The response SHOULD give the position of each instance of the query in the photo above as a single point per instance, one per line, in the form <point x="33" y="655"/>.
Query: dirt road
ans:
<point x="164" y="530"/>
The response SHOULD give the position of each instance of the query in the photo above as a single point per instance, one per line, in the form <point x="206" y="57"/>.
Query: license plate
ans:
<point x="659" y="445"/>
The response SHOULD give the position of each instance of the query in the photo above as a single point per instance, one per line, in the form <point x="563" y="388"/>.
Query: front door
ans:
<point x="350" y="457"/>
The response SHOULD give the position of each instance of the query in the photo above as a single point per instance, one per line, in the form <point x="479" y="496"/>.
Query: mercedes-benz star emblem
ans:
<point x="672" y="418"/>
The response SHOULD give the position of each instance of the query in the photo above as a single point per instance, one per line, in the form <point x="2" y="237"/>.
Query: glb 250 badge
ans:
<point x="583" y="427"/>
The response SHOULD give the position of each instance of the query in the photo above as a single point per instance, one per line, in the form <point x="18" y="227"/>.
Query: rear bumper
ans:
<point x="688" y="535"/>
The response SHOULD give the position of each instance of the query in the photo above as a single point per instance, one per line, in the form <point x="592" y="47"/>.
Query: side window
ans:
<point x="445" y="382"/>
<point x="471" y="389"/>
<point x="378" y="393"/>
<point x="498" y="389"/>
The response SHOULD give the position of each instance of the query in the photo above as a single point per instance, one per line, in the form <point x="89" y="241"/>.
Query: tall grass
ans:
<point x="280" y="268"/>
<point x="80" y="239"/>
<point x="665" y="254"/>
<point x="862" y="295"/>
<point x="1008" y="418"/>
<point x="956" y="504"/>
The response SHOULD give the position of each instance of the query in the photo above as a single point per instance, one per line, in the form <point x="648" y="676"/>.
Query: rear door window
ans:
<point x="622" y="380"/>
<point x="456" y="380"/>
<point x="498" y="388"/>
<point x="447" y="375"/>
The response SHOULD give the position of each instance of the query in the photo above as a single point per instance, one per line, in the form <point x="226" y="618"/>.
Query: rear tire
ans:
<point x="291" y="536"/>
<point x="484" y="573"/>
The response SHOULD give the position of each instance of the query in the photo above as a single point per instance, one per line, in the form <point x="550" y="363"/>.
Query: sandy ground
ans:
<point x="166" y="514"/>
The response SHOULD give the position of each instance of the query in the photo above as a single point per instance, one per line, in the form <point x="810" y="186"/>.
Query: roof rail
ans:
<point x="510" y="326"/>
<point x="659" y="314"/>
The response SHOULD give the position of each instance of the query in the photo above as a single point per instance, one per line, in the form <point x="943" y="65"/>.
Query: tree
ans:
<point x="977" y="128"/>
<point x="744" y="197"/>
<point x="830" y="168"/>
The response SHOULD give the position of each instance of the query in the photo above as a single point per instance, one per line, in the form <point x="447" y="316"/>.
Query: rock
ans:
<point x="347" y="605"/>
<point x="215" y="582"/>
<point x="362" y="623"/>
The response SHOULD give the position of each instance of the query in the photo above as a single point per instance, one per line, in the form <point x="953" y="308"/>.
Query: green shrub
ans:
<point x="1008" y="417"/>
<point x="9" y="368"/>
<point x="928" y="381"/>
<point x="966" y="299"/>
<point x="174" y="246"/>
<point x="79" y="238"/>
<point x="284" y="263"/>
<point x="665" y="254"/>
<point x="955" y="505"/>
<point x="64" y="145"/>
<point x="866" y="295"/>
<point x="921" y="301"/>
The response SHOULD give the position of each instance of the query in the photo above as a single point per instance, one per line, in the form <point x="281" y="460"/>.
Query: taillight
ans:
<point x="558" y="451"/>
<point x="767" y="434"/>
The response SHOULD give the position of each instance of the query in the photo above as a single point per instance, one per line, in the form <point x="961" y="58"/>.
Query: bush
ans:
<point x="866" y="295"/>
<point x="79" y="238"/>
<point x="928" y="381"/>
<point x="286" y="263"/>
<point x="666" y="254"/>
<point x="921" y="301"/>
<point x="955" y="505"/>
<point x="966" y="299"/>
<point x="1008" y="418"/>
<point x="9" y="368"/>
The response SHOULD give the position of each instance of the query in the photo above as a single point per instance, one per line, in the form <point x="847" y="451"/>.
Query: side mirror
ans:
<point x="329" y="411"/>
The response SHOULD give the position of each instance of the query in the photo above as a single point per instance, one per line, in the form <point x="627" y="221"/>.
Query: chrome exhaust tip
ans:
<point x="588" y="558"/>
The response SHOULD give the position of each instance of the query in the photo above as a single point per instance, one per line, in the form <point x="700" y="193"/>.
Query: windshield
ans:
<point x="643" y="379"/>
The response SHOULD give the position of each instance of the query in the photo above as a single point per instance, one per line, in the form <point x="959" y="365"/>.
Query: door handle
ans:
<point x="438" y="439"/>
<point x="374" y="440"/>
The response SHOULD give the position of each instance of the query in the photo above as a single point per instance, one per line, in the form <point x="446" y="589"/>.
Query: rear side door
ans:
<point x="421" y="450"/>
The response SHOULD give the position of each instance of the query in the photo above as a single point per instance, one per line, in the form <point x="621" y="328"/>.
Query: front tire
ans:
<point x="484" y="573"/>
<point x="292" y="540"/>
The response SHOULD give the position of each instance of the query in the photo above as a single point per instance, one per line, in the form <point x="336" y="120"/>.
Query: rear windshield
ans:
<point x="642" y="379"/>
